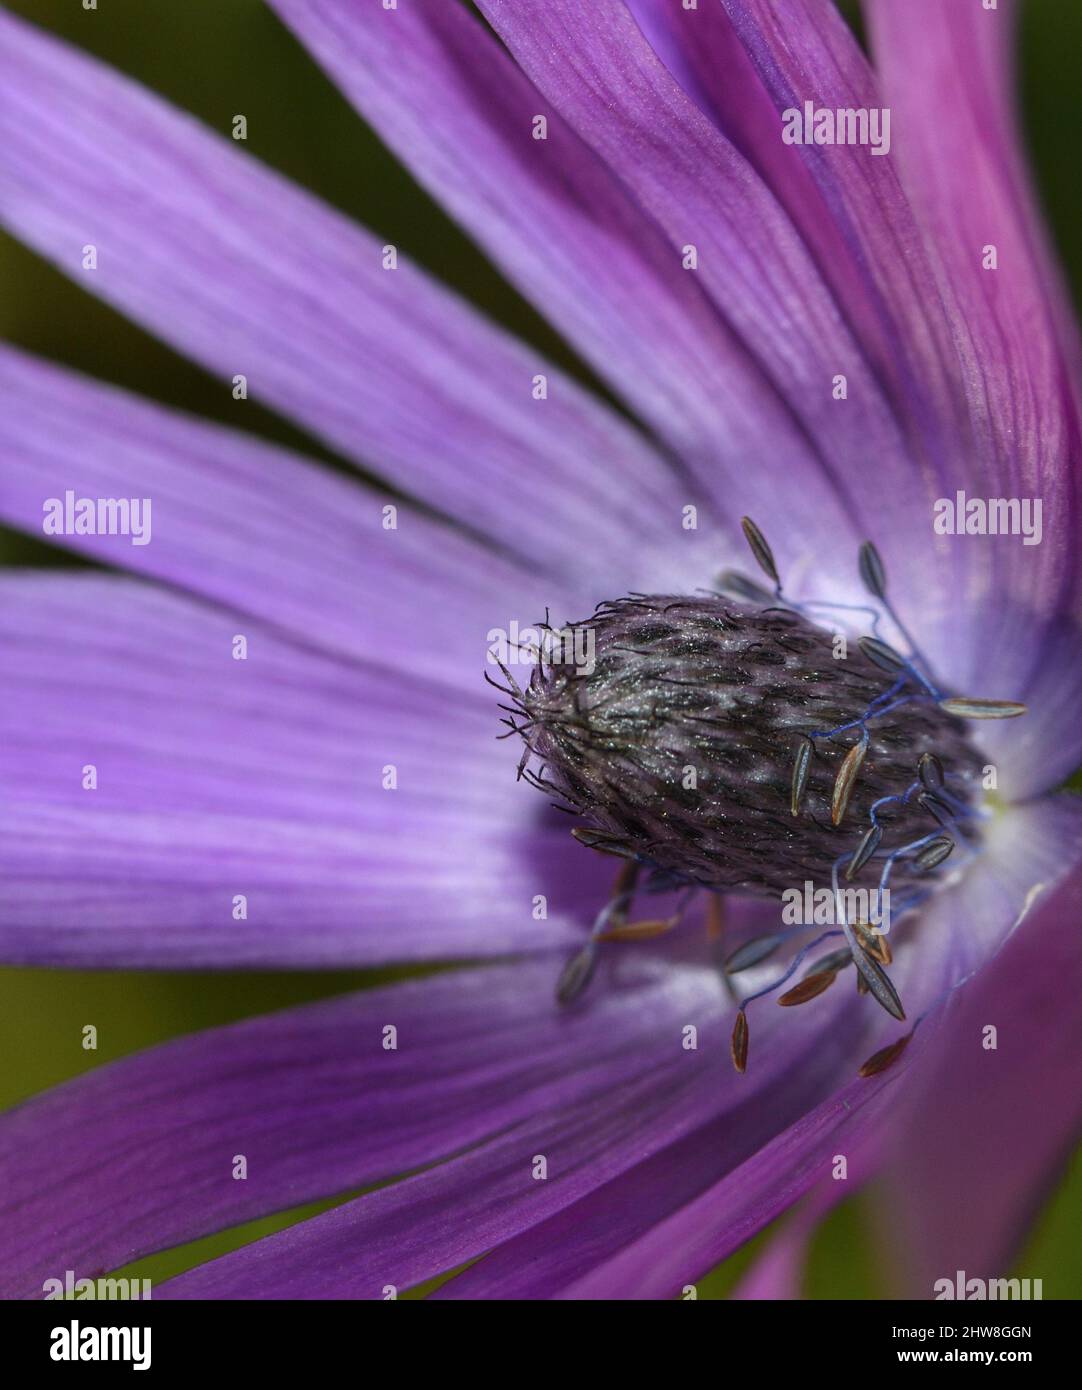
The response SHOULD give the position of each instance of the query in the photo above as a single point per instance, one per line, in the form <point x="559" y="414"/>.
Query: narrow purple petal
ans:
<point x="947" y="1203"/>
<point x="259" y="530"/>
<point x="552" y="1256"/>
<point x="265" y="779"/>
<point x="247" y="274"/>
<point x="671" y="1119"/>
<point x="947" y="73"/>
<point x="596" y="68"/>
<point x="318" y="1104"/>
<point x="744" y="64"/>
<point x="676" y="1251"/>
<point x="888" y="278"/>
<point x="455" y="108"/>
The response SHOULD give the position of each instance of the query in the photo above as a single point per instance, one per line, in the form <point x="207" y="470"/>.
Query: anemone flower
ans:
<point x="261" y="736"/>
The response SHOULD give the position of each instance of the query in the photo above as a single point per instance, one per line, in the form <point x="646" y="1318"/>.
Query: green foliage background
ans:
<point x="216" y="58"/>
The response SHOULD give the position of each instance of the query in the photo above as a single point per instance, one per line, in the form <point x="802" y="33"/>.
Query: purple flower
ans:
<point x="269" y="744"/>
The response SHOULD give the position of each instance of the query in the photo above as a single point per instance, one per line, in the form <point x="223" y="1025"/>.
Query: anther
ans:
<point x="930" y="772"/>
<point x="753" y="952"/>
<point x="639" y="931"/>
<point x="873" y="571"/>
<point x="715" y="918"/>
<point x="885" y="1057"/>
<point x="934" y="852"/>
<point x="965" y="708"/>
<point x="875" y="943"/>
<point x="743" y="587"/>
<point x="809" y="988"/>
<point x="883" y="655"/>
<point x="800" y="775"/>
<point x="739" y="1045"/>
<point x="836" y="961"/>
<point x="604" y="844"/>
<point x="845" y="780"/>
<point x="759" y="548"/>
<point x="877" y="980"/>
<point x="931" y="803"/>
<point x="865" y="850"/>
<point x="576" y="975"/>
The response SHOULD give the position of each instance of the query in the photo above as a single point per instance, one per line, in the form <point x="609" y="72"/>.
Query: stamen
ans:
<point x="865" y="850"/>
<point x="965" y="708"/>
<point x="878" y="981"/>
<point x="902" y="852"/>
<point x="883" y="655"/>
<point x="874" y="976"/>
<point x="875" y="943"/>
<point x="640" y="931"/>
<point x="759" y="548"/>
<point x="743" y="587"/>
<point x="579" y="970"/>
<point x="739" y="1043"/>
<point x="936" y="807"/>
<point x="604" y="844"/>
<point x="930" y="772"/>
<point x="793" y="966"/>
<point x="936" y="851"/>
<point x="715" y="918"/>
<point x="810" y="987"/>
<point x="835" y="962"/>
<point x="874" y="574"/>
<point x="872" y="571"/>
<point x="753" y="952"/>
<point x="847" y="776"/>
<point x="800" y="774"/>
<point x="885" y="1057"/>
<point x="576" y="975"/>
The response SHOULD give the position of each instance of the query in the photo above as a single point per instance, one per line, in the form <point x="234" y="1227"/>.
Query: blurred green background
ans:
<point x="217" y="58"/>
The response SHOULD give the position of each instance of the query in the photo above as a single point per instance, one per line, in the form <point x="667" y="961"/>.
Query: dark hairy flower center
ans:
<point x="734" y="745"/>
<point x="676" y="742"/>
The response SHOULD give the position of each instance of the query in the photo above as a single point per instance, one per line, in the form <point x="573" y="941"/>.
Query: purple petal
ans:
<point x="552" y="215"/>
<point x="677" y="1250"/>
<point x="743" y="64"/>
<point x="596" y="68"/>
<point x="262" y="778"/>
<point x="947" y="73"/>
<point x="258" y="529"/>
<point x="550" y="1257"/>
<point x="946" y="1205"/>
<point x="318" y="1105"/>
<point x="246" y="273"/>
<point x="667" y="1121"/>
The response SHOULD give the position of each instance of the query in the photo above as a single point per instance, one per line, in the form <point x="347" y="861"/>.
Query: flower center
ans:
<point x="733" y="745"/>
<point x="680" y="746"/>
